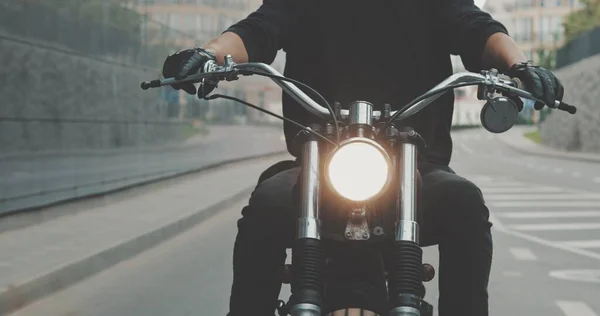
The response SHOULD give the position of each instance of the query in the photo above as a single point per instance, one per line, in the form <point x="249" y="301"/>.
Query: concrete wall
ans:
<point x="579" y="132"/>
<point x="46" y="92"/>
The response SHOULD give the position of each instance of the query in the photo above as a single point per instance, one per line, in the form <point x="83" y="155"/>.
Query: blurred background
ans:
<point x="76" y="131"/>
<point x="54" y="122"/>
<point x="73" y="119"/>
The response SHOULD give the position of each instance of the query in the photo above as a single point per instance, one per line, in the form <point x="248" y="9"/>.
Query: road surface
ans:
<point x="546" y="215"/>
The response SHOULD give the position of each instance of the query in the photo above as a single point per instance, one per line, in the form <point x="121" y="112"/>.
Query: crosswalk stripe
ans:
<point x="541" y="197"/>
<point x="541" y="214"/>
<point x="554" y="226"/>
<point x="517" y="190"/>
<point x="561" y="204"/>
<point x="573" y="308"/>
<point x="522" y="254"/>
<point x="582" y="243"/>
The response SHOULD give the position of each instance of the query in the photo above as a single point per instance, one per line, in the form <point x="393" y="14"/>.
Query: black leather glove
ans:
<point x="540" y="82"/>
<point x="189" y="62"/>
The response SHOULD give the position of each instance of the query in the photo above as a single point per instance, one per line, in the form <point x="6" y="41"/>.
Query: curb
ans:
<point x="549" y="153"/>
<point x="18" y="296"/>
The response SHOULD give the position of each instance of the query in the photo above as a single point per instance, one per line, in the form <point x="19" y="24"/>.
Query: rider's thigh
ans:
<point x="270" y="210"/>
<point x="449" y="201"/>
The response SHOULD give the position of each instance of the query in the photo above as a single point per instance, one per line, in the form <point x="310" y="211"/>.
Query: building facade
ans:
<point x="536" y="25"/>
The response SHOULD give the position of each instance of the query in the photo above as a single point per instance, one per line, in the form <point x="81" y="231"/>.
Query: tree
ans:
<point x="547" y="58"/>
<point x="583" y="20"/>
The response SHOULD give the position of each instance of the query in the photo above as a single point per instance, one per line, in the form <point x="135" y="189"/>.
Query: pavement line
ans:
<point x="558" y="214"/>
<point x="466" y="148"/>
<point x="523" y="254"/>
<point x="597" y="179"/>
<point x="576" y="174"/>
<point x="503" y="184"/>
<point x="555" y="226"/>
<point x="561" y="204"/>
<point x="479" y="178"/>
<point x="573" y="308"/>
<point x="542" y="197"/>
<point x="558" y="170"/>
<point x="499" y="226"/>
<point x="582" y="243"/>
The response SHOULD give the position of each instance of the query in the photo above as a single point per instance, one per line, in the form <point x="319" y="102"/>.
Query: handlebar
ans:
<point x="230" y="70"/>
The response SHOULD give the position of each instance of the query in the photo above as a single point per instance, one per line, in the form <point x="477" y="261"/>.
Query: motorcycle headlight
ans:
<point x="359" y="169"/>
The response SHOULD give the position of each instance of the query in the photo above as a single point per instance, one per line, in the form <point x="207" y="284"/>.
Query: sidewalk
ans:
<point x="29" y="182"/>
<point x="40" y="259"/>
<point x="515" y="138"/>
<point x="215" y="133"/>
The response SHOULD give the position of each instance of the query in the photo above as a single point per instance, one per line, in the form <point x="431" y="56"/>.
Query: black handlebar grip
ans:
<point x="150" y="84"/>
<point x="568" y="108"/>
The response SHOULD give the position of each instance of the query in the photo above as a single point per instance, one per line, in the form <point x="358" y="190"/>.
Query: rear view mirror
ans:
<point x="498" y="115"/>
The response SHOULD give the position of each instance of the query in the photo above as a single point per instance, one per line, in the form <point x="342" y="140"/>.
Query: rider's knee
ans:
<point x="464" y="198"/>
<point x="273" y="197"/>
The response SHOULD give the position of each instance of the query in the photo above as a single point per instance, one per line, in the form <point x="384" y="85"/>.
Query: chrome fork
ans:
<point x="406" y="271"/>
<point x="308" y="259"/>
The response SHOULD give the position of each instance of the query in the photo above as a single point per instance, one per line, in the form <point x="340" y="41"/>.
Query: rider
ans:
<point x="366" y="50"/>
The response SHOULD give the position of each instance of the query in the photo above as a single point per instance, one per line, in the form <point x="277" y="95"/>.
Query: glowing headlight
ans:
<point x="358" y="170"/>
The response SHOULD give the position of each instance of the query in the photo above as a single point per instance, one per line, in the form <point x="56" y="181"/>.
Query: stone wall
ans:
<point x="55" y="99"/>
<point x="579" y="132"/>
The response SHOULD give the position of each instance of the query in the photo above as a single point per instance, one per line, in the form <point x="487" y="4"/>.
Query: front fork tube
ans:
<point x="406" y="266"/>
<point x="308" y="259"/>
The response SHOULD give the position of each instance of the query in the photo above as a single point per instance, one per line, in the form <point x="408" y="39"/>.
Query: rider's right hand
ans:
<point x="189" y="62"/>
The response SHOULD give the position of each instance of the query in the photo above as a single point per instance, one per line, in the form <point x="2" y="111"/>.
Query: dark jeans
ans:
<point x="455" y="218"/>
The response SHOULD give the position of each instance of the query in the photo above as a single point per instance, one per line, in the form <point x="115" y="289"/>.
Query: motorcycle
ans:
<point x="361" y="135"/>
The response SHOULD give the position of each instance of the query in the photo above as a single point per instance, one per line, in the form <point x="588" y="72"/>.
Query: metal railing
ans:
<point x="586" y="45"/>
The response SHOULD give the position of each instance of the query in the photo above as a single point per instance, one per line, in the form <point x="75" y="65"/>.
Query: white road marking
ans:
<point x="576" y="174"/>
<point x="502" y="184"/>
<point x="542" y="197"/>
<point x="571" y="308"/>
<point x="512" y="273"/>
<point x="582" y="243"/>
<point x="523" y="190"/>
<point x="588" y="276"/>
<point x="478" y="178"/>
<point x="561" y="204"/>
<point x="499" y="226"/>
<point x="542" y="214"/>
<point x="558" y="170"/>
<point x="522" y="254"/>
<point x="530" y="164"/>
<point x="466" y="148"/>
<point x="597" y="180"/>
<point x="555" y="226"/>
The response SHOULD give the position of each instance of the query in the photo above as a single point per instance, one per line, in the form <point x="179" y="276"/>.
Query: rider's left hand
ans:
<point x="540" y="82"/>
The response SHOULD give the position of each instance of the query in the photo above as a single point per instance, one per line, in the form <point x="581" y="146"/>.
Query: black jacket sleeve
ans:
<point x="465" y="30"/>
<point x="266" y="30"/>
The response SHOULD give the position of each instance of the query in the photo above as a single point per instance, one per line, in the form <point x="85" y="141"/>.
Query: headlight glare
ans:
<point x="358" y="170"/>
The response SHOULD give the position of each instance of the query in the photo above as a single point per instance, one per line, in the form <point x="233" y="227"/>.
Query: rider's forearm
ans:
<point x="501" y="52"/>
<point x="228" y="43"/>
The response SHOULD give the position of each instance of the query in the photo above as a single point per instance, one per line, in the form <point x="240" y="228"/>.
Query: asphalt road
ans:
<point x="546" y="215"/>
